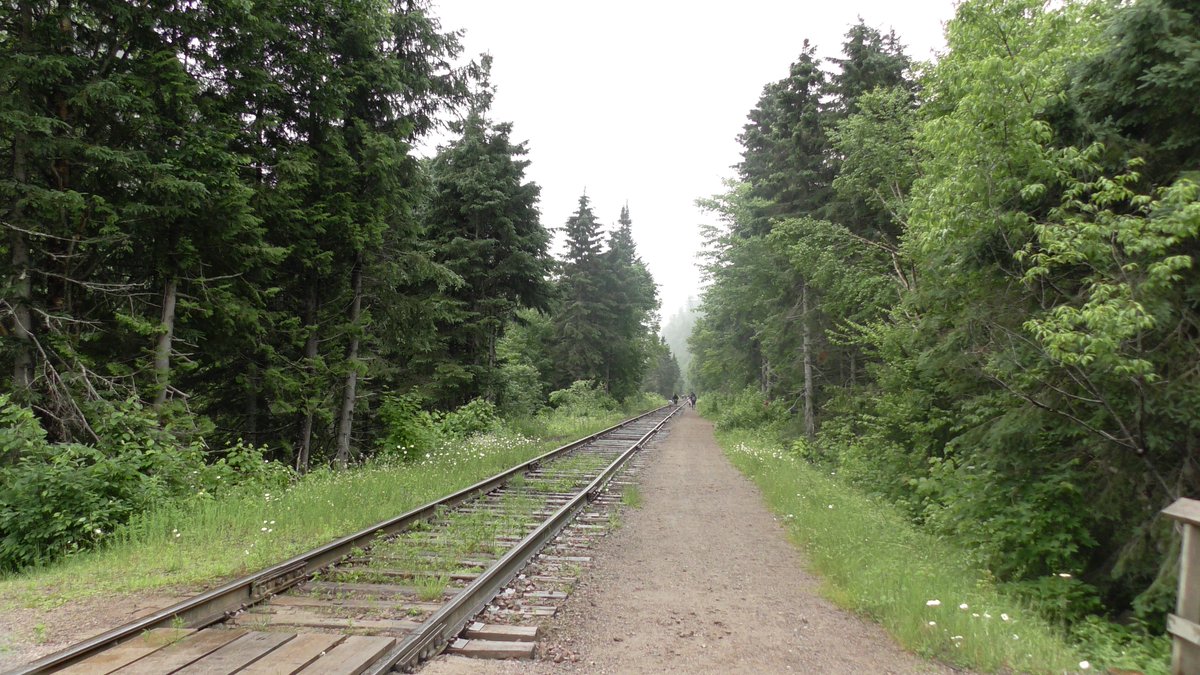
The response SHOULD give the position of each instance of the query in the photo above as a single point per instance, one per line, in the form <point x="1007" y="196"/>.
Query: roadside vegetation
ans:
<point x="968" y="287"/>
<point x="930" y="590"/>
<point x="216" y="534"/>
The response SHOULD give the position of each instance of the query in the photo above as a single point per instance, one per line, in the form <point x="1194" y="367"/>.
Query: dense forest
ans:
<point x="969" y="287"/>
<point x="221" y="245"/>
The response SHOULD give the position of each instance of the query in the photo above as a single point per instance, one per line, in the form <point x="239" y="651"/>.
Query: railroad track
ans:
<point x="394" y="594"/>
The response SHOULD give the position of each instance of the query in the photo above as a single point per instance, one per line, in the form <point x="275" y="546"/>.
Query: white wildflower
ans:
<point x="1084" y="665"/>
<point x="933" y="603"/>
<point x="964" y="606"/>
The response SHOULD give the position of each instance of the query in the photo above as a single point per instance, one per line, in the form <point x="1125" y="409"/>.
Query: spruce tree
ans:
<point x="581" y="334"/>
<point x="485" y="229"/>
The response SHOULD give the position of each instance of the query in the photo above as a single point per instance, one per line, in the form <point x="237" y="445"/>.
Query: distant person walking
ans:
<point x="692" y="400"/>
<point x="674" y="399"/>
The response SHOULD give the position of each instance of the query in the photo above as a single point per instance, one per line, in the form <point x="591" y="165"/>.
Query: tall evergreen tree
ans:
<point x="632" y="299"/>
<point x="121" y="200"/>
<point x="484" y="225"/>
<point x="581" y="335"/>
<point x="784" y="156"/>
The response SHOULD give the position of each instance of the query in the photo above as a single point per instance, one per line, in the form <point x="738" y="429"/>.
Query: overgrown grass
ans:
<point x="204" y="540"/>
<point x="924" y="591"/>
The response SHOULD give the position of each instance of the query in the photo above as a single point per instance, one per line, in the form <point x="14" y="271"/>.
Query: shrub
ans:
<point x="583" y="396"/>
<point x="477" y="417"/>
<point x="746" y="409"/>
<point x="58" y="498"/>
<point x="409" y="431"/>
<point x="521" y="392"/>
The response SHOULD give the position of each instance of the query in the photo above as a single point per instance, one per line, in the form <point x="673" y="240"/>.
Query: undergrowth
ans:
<point x="923" y="590"/>
<point x="207" y="537"/>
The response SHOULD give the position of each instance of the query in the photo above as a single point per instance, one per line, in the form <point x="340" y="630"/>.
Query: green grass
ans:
<point x="923" y="590"/>
<point x="631" y="496"/>
<point x="205" y="540"/>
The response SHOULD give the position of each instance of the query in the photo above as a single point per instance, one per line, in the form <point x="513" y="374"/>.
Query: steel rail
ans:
<point x="216" y="605"/>
<point x="433" y="634"/>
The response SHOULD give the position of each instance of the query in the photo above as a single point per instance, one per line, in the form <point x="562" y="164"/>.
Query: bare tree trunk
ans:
<point x="304" y="447"/>
<point x="162" y="348"/>
<point x="251" y="392"/>
<point x="21" y="281"/>
<point x="347" y="415"/>
<point x="22" y="328"/>
<point x="810" y="427"/>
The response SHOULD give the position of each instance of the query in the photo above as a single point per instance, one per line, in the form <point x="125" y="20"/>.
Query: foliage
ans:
<point x="582" y="396"/>
<point x="1124" y="647"/>
<point x="483" y="222"/>
<point x="410" y="430"/>
<point x="58" y="499"/>
<point x="209" y="537"/>
<point x="604" y="327"/>
<point x="663" y="376"/>
<point x="744" y="410"/>
<point x="928" y="593"/>
<point x="979" y="275"/>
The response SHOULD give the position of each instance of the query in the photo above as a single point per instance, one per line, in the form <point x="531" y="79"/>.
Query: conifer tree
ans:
<point x="581" y="334"/>
<point x="485" y="229"/>
<point x="632" y="299"/>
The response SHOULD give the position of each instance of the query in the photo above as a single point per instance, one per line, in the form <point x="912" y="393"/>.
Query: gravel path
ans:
<point x="702" y="579"/>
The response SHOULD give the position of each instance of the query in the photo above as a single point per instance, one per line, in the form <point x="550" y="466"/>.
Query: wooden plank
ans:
<point x="1185" y="656"/>
<point x="1187" y="510"/>
<point x="1183" y="628"/>
<point x="336" y="587"/>
<point x="501" y="632"/>
<point x="286" y="616"/>
<point x="179" y="654"/>
<point x="351" y="657"/>
<point x="238" y="654"/>
<point x="410" y="574"/>
<point x="127" y="652"/>
<point x="492" y="649"/>
<point x="356" y="603"/>
<point x="294" y="655"/>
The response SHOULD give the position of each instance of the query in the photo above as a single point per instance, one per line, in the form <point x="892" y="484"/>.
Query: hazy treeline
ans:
<point x="970" y="286"/>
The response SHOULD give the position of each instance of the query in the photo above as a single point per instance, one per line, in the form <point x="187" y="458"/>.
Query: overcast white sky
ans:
<point x="641" y="101"/>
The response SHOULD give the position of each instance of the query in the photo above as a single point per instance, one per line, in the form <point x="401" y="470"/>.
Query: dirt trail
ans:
<point x="702" y="579"/>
